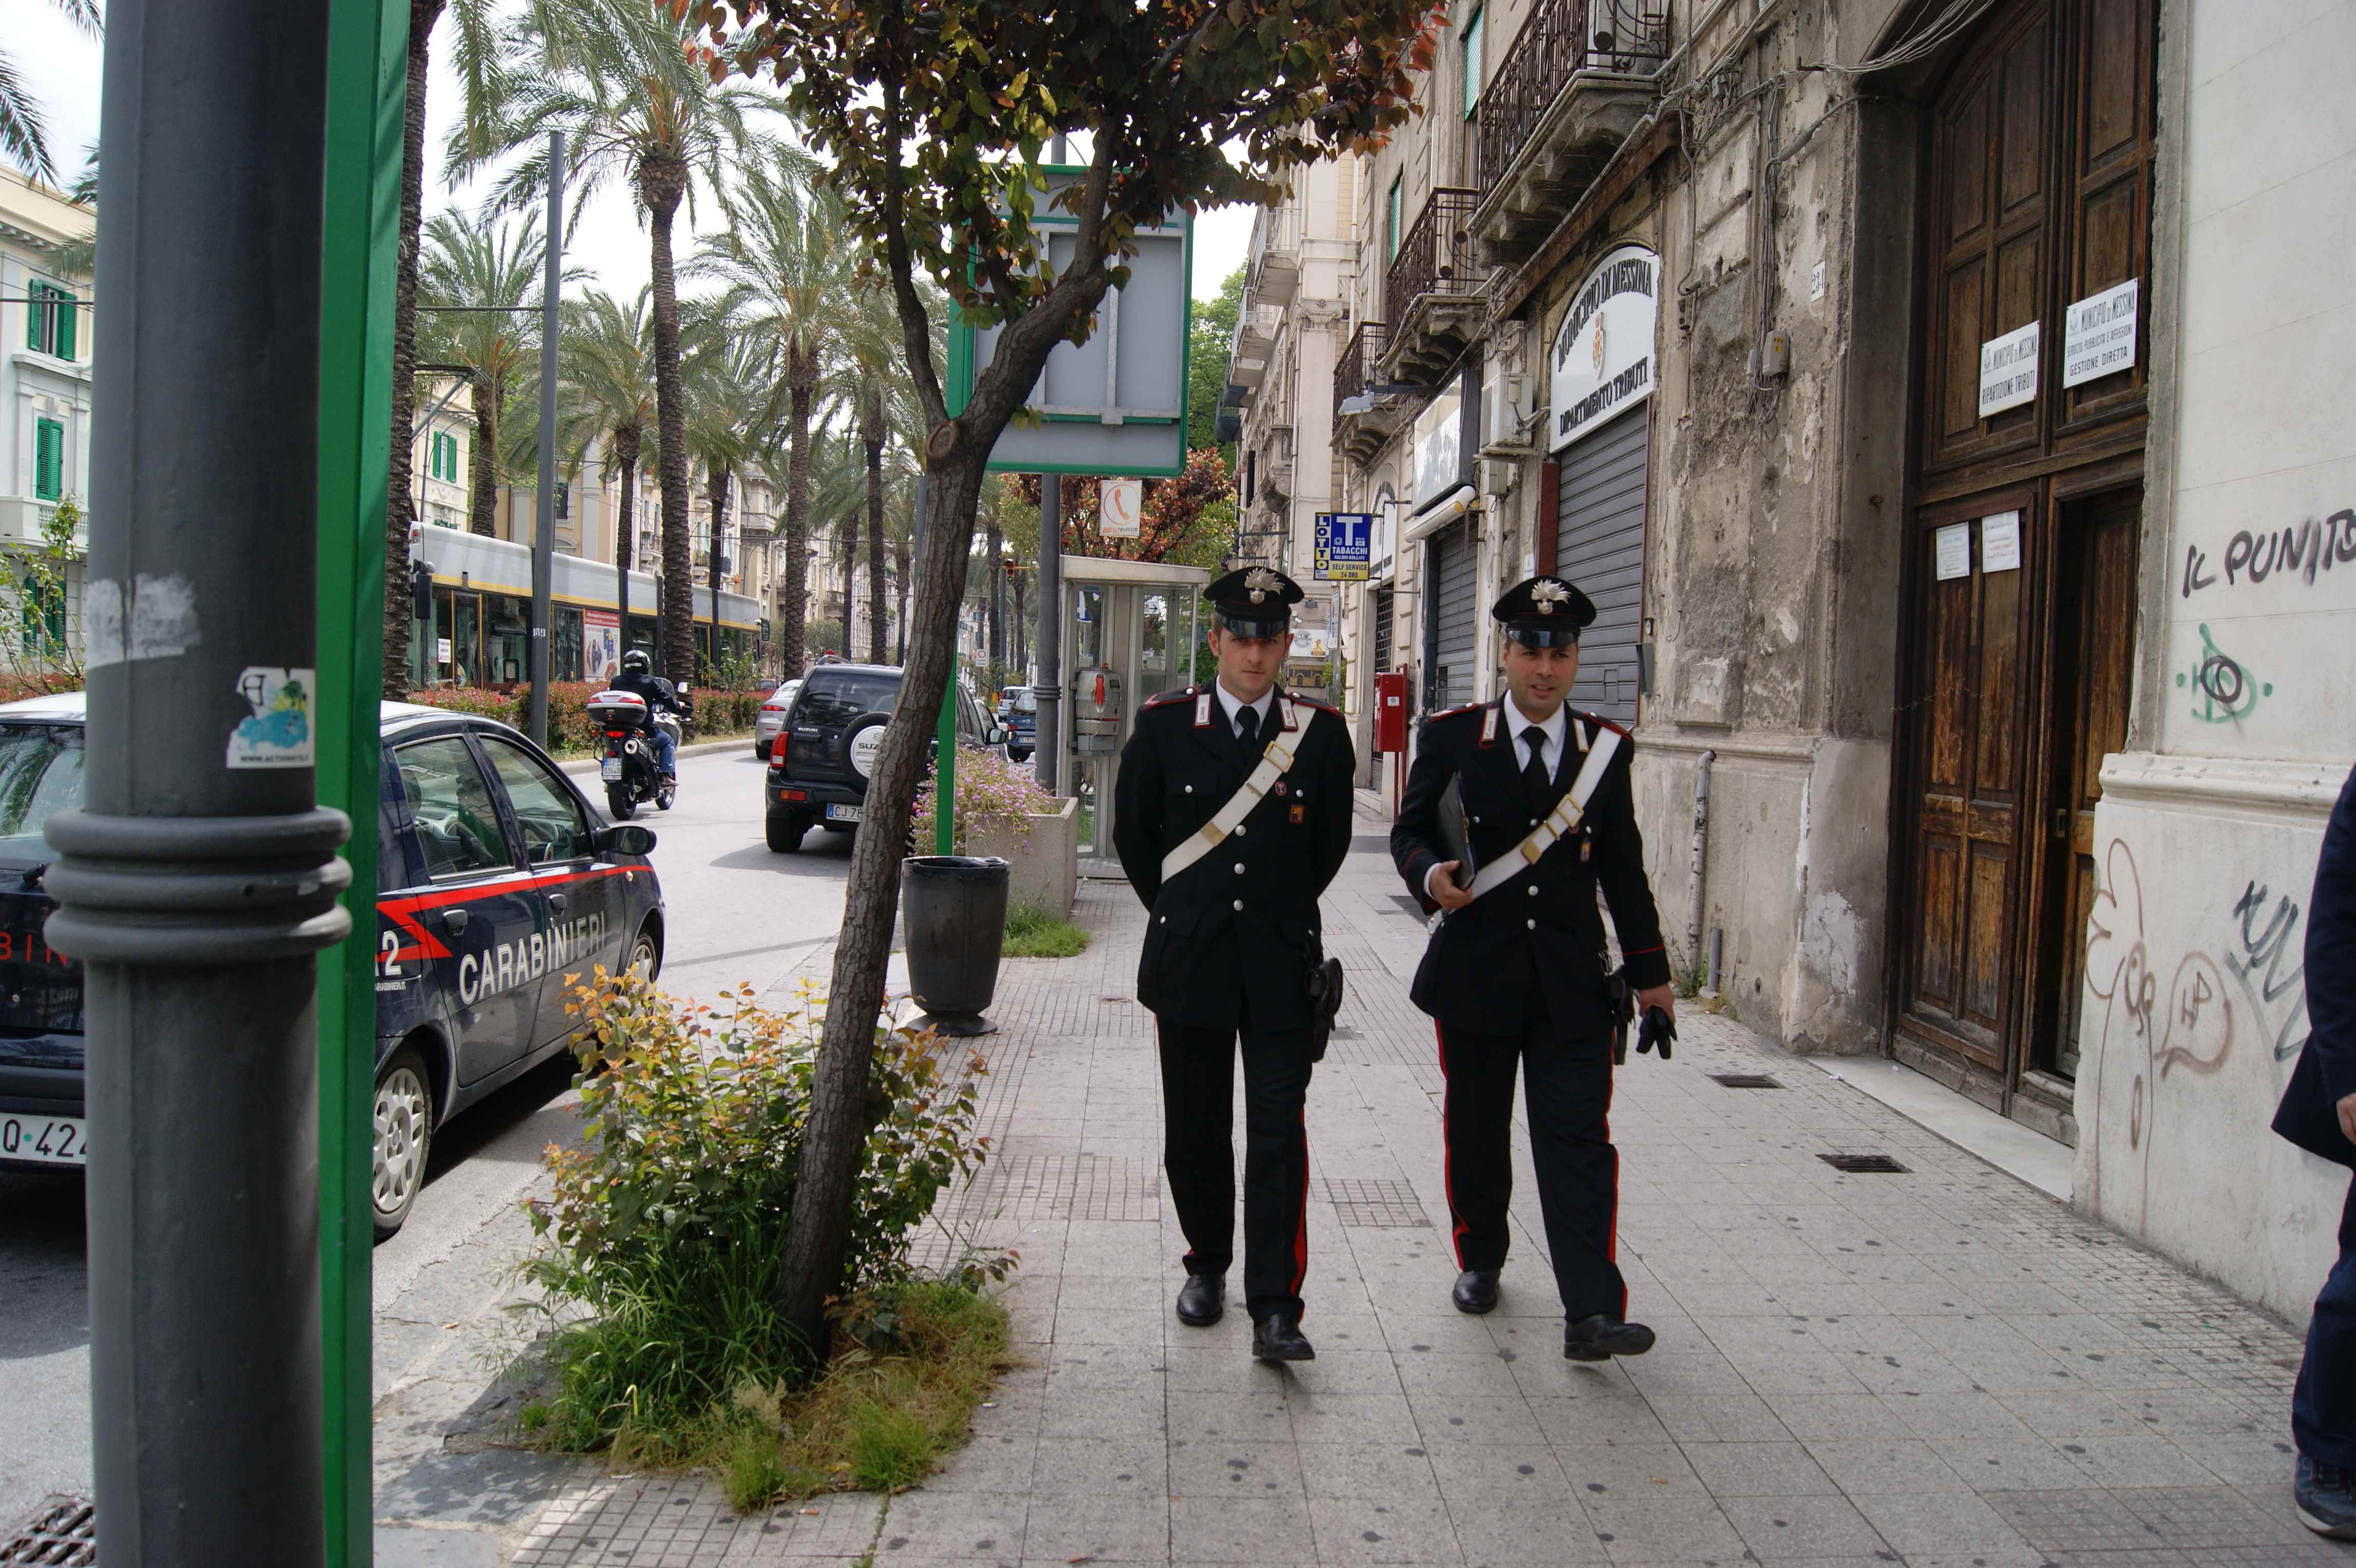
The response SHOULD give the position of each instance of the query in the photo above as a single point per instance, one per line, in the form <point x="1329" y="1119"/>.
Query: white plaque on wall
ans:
<point x="1954" y="551"/>
<point x="2098" y="337"/>
<point x="1999" y="544"/>
<point x="2008" y="370"/>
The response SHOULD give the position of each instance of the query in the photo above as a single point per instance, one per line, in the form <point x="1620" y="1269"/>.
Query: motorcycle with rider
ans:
<point x="639" y="717"/>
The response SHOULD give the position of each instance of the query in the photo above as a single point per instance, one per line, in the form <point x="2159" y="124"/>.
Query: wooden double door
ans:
<point x="2020" y="603"/>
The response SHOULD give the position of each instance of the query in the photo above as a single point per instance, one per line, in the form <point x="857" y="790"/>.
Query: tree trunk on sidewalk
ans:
<point x="626" y="452"/>
<point x="793" y="632"/>
<point x="718" y="493"/>
<point x="871" y="433"/>
<point x="995" y="544"/>
<point x="900" y="596"/>
<point x="400" y="512"/>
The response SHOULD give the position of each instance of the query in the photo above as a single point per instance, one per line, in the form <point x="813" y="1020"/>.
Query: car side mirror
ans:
<point x="625" y="837"/>
<point x="996" y="736"/>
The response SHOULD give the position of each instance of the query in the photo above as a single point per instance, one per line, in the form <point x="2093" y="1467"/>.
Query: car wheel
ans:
<point x="645" y="956"/>
<point x="403" y="1120"/>
<point x="785" y="829"/>
<point x="618" y="803"/>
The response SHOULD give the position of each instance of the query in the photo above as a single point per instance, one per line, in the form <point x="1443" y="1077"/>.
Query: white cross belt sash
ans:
<point x="1560" y="822"/>
<point x="1273" y="763"/>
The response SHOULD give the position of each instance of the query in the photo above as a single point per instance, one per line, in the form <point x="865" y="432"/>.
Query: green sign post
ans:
<point x="367" y="46"/>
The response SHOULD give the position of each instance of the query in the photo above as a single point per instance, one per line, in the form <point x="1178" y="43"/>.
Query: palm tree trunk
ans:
<point x="900" y="591"/>
<point x="1022" y="658"/>
<point x="996" y="576"/>
<point x="661" y="183"/>
<point x="801" y="377"/>
<point x="625" y="450"/>
<point x="871" y="433"/>
<point x="718" y="492"/>
<point x="399" y="510"/>
<point x="851" y="587"/>
<point x="484" y="475"/>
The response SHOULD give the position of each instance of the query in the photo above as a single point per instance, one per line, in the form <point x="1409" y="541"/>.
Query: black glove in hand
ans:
<point x="1657" y="1029"/>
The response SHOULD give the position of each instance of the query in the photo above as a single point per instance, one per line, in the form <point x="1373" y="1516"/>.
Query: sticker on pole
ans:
<point x="280" y="733"/>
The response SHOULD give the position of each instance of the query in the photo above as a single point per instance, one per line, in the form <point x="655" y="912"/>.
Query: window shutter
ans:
<point x="48" y="459"/>
<point x="33" y="315"/>
<point x="66" y="313"/>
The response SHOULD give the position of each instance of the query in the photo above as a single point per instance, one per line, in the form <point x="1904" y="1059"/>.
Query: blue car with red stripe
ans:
<point x="498" y="885"/>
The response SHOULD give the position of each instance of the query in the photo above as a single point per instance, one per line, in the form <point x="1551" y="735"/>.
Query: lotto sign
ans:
<point x="1346" y="541"/>
<point x="1120" y="508"/>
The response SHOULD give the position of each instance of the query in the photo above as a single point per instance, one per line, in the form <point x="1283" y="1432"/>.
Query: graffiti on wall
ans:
<point x="2223" y="690"/>
<point x="2185" y="1012"/>
<point x="2305" y="552"/>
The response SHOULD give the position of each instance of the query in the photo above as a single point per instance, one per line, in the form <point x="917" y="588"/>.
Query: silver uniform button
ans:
<point x="1190" y="789"/>
<point x="1165" y="919"/>
<point x="1239" y="830"/>
<point x="1239" y="903"/>
<point x="1531" y="924"/>
<point x="1534" y="891"/>
<point x="1239" y="868"/>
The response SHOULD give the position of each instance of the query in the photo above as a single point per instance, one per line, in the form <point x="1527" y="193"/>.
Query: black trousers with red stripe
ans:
<point x="1568" y="1079"/>
<point x="1198" y="1069"/>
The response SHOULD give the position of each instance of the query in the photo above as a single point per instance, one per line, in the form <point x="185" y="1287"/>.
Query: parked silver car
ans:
<point x="772" y="716"/>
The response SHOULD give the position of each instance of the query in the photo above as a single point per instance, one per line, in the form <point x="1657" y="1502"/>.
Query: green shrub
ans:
<point x="663" y="1236"/>
<point x="1033" y="932"/>
<point x="991" y="792"/>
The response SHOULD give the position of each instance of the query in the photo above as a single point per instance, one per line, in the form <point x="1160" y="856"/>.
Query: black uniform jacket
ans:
<point x="2325" y="1074"/>
<point x="1513" y="952"/>
<point x="1242" y="920"/>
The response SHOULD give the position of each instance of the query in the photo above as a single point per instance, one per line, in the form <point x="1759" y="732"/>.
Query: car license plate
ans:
<point x="610" y="769"/>
<point x="49" y="1140"/>
<point x="842" y="813"/>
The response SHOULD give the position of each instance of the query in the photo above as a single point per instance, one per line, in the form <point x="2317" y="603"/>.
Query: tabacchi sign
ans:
<point x="1602" y="354"/>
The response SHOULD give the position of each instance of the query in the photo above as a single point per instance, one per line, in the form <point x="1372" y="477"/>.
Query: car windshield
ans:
<point x="839" y="696"/>
<point x="1026" y="701"/>
<point x="40" y="772"/>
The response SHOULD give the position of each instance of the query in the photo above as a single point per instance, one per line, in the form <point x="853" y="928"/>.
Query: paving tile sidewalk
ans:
<point x="1938" y="1366"/>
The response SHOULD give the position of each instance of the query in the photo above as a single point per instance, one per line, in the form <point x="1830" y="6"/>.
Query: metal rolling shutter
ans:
<point x="1455" y="573"/>
<point x="1382" y="629"/>
<point x="1599" y="545"/>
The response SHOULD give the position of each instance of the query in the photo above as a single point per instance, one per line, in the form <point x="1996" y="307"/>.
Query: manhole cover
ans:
<point x="1864" y="1165"/>
<point x="1746" y="1081"/>
<point x="64" y="1531"/>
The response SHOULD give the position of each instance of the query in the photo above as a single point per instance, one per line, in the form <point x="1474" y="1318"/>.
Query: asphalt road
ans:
<point x="735" y="913"/>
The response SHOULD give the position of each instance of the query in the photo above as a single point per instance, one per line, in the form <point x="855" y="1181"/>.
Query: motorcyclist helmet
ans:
<point x="634" y="662"/>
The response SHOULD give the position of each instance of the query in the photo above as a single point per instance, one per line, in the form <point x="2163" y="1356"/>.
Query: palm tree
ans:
<point x="788" y="272"/>
<point x="724" y="370"/>
<point x="475" y="63"/>
<point x="24" y="131"/>
<point x="608" y="394"/>
<point x="489" y="271"/>
<point x="617" y="78"/>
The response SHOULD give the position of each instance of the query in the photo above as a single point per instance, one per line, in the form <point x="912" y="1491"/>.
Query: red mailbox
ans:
<point x="1390" y="711"/>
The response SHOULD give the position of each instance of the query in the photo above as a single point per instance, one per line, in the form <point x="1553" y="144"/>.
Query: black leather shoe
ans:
<point x="1602" y="1337"/>
<point x="1203" y="1300"/>
<point x="1476" y="1290"/>
<point x="1277" y="1337"/>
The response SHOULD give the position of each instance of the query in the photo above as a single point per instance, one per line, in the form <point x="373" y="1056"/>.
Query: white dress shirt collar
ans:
<point x="1554" y="727"/>
<point x="1231" y="704"/>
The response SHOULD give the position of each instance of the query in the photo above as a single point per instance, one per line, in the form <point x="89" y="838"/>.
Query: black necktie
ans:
<point x="1535" y="776"/>
<point x="1247" y="727"/>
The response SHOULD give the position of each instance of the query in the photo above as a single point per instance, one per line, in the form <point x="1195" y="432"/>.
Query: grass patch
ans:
<point x="1033" y="932"/>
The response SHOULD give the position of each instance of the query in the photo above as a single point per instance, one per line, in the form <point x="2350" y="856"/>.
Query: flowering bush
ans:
<point x="667" y="1224"/>
<point x="991" y="792"/>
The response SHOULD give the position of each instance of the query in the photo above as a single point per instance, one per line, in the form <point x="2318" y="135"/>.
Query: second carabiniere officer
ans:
<point x="1231" y="815"/>
<point x="1515" y="973"/>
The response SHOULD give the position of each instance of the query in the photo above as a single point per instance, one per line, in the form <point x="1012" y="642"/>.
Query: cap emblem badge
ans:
<point x="1261" y="581"/>
<point x="1546" y="595"/>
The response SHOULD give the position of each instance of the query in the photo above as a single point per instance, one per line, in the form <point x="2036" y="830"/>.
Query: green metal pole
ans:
<point x="945" y="748"/>
<point x="368" y="63"/>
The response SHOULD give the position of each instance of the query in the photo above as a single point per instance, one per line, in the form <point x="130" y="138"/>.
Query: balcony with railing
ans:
<point x="1362" y="422"/>
<point x="1432" y="292"/>
<point x="1273" y="270"/>
<point x="1579" y="77"/>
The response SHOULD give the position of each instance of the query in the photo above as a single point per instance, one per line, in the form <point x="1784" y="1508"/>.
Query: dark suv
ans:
<point x="825" y="752"/>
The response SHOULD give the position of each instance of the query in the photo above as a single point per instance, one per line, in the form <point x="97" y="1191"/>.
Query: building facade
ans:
<point x="45" y="390"/>
<point x="1946" y="407"/>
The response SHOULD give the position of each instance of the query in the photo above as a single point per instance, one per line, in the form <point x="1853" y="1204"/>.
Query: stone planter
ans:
<point x="1045" y="866"/>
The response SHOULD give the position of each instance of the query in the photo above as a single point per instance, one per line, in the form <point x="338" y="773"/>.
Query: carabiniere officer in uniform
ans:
<point x="1233" y="812"/>
<point x="1515" y="974"/>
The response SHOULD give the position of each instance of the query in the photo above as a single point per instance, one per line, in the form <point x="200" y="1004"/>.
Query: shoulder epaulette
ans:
<point x="1313" y="703"/>
<point x="1620" y="730"/>
<point x="1451" y="713"/>
<point x="1182" y="694"/>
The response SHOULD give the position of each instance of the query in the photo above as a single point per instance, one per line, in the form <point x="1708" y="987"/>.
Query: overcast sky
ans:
<point x="62" y="67"/>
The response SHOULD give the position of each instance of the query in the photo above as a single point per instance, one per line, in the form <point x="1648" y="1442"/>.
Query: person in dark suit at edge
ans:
<point x="2319" y="1114"/>
<point x="1233" y="935"/>
<point x="1516" y="977"/>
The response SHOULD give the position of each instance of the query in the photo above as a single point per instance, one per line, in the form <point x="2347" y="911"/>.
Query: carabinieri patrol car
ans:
<point x="497" y="879"/>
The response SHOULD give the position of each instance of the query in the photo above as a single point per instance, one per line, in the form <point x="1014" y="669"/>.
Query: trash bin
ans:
<point x="953" y="911"/>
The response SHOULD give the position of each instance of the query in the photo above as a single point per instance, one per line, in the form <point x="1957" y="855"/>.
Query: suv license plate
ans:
<point x="843" y="814"/>
<point x="48" y="1139"/>
<point x="610" y="769"/>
